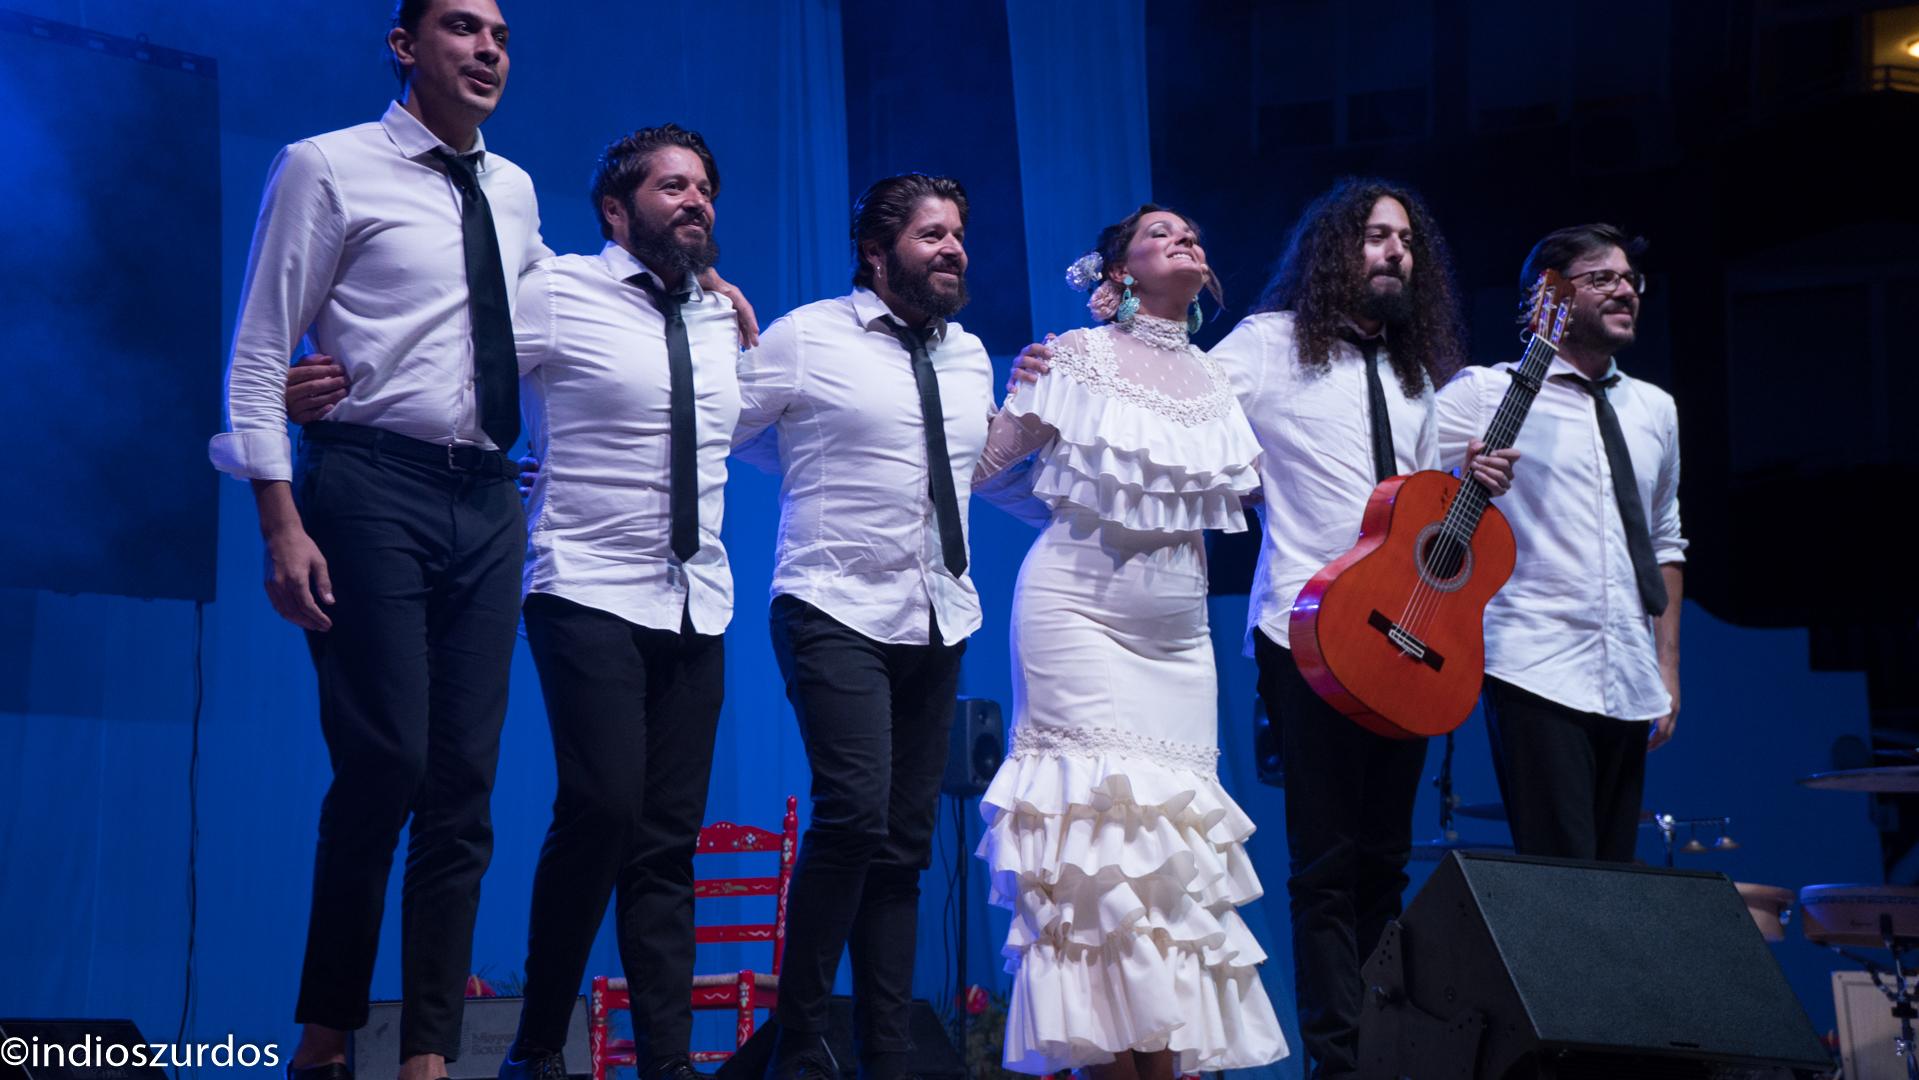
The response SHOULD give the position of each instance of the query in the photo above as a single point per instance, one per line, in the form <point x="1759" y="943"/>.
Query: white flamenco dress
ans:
<point x="1108" y="834"/>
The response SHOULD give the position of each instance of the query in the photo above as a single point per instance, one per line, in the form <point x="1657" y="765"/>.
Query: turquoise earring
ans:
<point x="1128" y="303"/>
<point x="1194" y="319"/>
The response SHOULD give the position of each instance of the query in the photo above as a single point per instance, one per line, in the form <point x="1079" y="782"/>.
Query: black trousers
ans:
<point x="1349" y="829"/>
<point x="633" y="713"/>
<point x="425" y="563"/>
<point x="1571" y="780"/>
<point x="875" y="719"/>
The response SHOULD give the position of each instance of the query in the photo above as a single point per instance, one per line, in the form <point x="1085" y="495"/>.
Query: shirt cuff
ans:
<point x="253" y="455"/>
<point x="1669" y="551"/>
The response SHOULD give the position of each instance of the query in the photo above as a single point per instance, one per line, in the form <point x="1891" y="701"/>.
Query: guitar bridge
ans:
<point x="1406" y="641"/>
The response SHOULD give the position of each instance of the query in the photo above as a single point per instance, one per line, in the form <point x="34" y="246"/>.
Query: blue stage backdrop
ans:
<point x="1042" y="109"/>
<point x="112" y="304"/>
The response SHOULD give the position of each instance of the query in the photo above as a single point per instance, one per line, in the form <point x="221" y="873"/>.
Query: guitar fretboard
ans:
<point x="1469" y="505"/>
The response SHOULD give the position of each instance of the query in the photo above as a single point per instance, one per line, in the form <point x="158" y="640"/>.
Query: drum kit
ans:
<point x="1843" y="918"/>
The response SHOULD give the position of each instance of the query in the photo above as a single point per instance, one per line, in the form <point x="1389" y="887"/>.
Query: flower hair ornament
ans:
<point x="1110" y="300"/>
<point x="1085" y="272"/>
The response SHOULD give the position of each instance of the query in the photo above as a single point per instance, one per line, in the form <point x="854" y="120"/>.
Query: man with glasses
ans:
<point x="1582" y="645"/>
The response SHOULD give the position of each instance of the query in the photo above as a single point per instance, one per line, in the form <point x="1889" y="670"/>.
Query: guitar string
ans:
<point x="1423" y="605"/>
<point x="1452" y="532"/>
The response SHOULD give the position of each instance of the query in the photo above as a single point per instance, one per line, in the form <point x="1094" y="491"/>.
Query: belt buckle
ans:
<point x="467" y="462"/>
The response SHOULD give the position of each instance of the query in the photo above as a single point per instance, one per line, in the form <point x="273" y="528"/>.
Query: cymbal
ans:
<point x="1849" y="914"/>
<point x="1482" y="811"/>
<point x="1435" y="850"/>
<point x="1884" y="780"/>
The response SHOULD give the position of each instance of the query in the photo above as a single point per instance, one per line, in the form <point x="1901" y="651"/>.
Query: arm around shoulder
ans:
<point x="770" y="375"/>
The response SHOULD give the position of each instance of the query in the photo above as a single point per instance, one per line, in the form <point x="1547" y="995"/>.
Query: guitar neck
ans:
<point x="1462" y="517"/>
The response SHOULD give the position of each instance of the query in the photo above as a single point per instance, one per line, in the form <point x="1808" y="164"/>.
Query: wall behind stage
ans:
<point x="98" y="739"/>
<point x="93" y="825"/>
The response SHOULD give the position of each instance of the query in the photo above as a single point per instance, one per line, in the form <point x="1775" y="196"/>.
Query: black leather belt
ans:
<point x="451" y="457"/>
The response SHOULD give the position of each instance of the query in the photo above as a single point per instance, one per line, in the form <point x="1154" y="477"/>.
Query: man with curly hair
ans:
<point x="1336" y="369"/>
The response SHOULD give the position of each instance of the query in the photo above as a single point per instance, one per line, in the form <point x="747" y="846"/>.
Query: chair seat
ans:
<point x="761" y="980"/>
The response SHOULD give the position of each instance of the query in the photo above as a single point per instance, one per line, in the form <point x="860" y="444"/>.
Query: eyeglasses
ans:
<point x="1607" y="281"/>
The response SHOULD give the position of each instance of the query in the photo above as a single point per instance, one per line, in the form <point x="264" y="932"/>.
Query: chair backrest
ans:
<point x="724" y="837"/>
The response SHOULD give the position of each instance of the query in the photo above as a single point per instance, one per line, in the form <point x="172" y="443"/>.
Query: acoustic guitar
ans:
<point x="1392" y="633"/>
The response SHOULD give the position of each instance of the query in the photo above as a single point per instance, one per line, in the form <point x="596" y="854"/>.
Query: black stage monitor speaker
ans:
<point x="92" y="1050"/>
<point x="933" y="1055"/>
<point x="1512" y="968"/>
<point x="979" y="742"/>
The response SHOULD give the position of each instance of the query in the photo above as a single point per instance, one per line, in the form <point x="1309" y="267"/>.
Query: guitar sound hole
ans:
<point x="1445" y="563"/>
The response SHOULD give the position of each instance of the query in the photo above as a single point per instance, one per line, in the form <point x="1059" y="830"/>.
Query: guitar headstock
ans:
<point x="1549" y="310"/>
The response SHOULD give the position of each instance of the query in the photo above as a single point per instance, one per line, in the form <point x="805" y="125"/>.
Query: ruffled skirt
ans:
<point x="1108" y="834"/>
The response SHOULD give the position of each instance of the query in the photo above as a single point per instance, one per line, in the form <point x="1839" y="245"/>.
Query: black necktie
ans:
<point x="682" y="460"/>
<point x="1382" y="421"/>
<point x="496" y="370"/>
<point x="1625" y="490"/>
<point x="939" y="467"/>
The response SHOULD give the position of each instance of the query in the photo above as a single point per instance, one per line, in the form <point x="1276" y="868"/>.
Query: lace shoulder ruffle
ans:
<point x="1133" y="456"/>
<point x="1088" y="357"/>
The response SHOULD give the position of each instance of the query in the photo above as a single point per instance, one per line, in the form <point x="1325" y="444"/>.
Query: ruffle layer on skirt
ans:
<point x="1123" y="875"/>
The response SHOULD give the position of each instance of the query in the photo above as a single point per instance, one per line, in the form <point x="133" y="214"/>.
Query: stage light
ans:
<point x="1912" y="48"/>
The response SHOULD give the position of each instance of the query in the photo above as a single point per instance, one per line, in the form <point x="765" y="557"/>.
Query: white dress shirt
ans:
<point x="598" y="397"/>
<point x="1570" y="625"/>
<point x="1316" y="467"/>
<point x="359" y="241"/>
<point x="858" y="538"/>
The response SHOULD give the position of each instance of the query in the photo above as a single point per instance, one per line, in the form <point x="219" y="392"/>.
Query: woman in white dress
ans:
<point x="1108" y="834"/>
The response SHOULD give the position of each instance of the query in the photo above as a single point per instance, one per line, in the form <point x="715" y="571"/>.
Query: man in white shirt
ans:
<point x="629" y="375"/>
<point x="880" y="405"/>
<point x="1582" y="644"/>
<point x="1359" y="320"/>
<point x="394" y="244"/>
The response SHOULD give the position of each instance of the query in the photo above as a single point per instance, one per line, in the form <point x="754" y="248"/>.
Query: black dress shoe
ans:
<point x="536" y="1066"/>
<point x="673" y="1068"/>
<point x="332" y="1070"/>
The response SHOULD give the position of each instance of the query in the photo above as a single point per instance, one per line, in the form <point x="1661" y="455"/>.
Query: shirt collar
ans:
<point x="1355" y="334"/>
<point x="873" y="314"/>
<point x="622" y="265"/>
<point x="415" y="141"/>
<point x="1560" y="366"/>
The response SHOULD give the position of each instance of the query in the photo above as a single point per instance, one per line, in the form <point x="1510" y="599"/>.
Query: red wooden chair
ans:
<point x="743" y="991"/>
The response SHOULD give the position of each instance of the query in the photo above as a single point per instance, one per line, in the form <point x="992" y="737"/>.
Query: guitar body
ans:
<point x="1393" y="647"/>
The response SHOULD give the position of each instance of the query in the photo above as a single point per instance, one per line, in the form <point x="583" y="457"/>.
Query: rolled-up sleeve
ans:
<point x="1668" y="542"/>
<point x="296" y="251"/>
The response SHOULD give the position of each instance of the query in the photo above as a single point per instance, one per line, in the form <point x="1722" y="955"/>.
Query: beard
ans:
<point x="662" y="250"/>
<point x="1593" y="335"/>
<point x="1393" y="309"/>
<point x="916" y="288"/>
